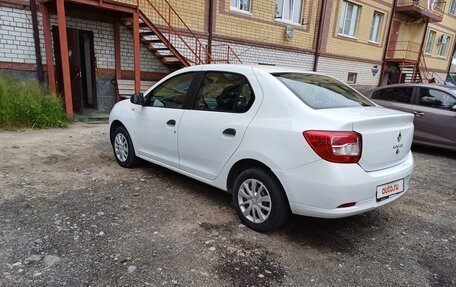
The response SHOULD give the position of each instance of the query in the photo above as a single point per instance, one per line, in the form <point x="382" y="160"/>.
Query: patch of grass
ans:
<point x="28" y="104"/>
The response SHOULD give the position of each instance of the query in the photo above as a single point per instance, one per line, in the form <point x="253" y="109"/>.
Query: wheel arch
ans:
<point x="114" y="125"/>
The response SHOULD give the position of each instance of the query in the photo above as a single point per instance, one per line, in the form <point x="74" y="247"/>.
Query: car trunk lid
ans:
<point x="387" y="135"/>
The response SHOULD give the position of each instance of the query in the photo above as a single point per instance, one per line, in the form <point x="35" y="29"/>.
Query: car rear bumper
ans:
<point x="319" y="188"/>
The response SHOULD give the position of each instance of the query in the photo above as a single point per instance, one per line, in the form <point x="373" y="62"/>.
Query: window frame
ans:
<point x="413" y="91"/>
<point x="380" y="24"/>
<point x="417" y="98"/>
<point x="444" y="47"/>
<point x="452" y="7"/>
<point x="187" y="96"/>
<point x="343" y="19"/>
<point x="353" y="74"/>
<point x="290" y="21"/>
<point x="237" y="8"/>
<point x="195" y="93"/>
<point x="429" y="43"/>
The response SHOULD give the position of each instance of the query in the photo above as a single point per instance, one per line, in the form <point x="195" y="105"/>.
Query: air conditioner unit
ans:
<point x="443" y="39"/>
<point x="289" y="32"/>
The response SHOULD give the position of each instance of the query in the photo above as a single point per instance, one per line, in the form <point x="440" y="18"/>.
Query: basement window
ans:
<point x="351" y="78"/>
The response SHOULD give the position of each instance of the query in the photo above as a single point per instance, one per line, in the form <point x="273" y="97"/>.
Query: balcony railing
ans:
<point x="403" y="51"/>
<point x="432" y="10"/>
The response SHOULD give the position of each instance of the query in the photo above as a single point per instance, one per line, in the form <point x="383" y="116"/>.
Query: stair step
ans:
<point x="159" y="49"/>
<point x="151" y="41"/>
<point x="147" y="33"/>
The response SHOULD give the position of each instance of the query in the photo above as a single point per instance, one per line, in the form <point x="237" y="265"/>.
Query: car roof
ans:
<point x="244" y="67"/>
<point x="411" y="85"/>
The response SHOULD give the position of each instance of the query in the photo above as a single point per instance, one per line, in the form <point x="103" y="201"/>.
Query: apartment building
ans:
<point x="90" y="50"/>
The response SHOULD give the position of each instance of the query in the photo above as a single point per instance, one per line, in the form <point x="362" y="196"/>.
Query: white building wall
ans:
<point x="16" y="36"/>
<point x="340" y="68"/>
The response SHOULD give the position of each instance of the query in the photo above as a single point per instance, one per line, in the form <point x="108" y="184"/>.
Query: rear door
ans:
<point x="155" y="135"/>
<point x="398" y="98"/>
<point x="211" y="132"/>
<point x="435" y="122"/>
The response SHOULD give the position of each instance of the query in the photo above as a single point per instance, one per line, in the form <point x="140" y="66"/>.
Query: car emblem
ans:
<point x="399" y="136"/>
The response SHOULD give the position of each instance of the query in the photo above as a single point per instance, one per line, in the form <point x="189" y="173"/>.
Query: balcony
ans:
<point x="427" y="9"/>
<point x="403" y="51"/>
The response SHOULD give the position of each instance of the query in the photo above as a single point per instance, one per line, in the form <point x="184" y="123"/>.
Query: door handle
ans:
<point x="171" y="122"/>
<point x="229" y="132"/>
<point x="418" y="114"/>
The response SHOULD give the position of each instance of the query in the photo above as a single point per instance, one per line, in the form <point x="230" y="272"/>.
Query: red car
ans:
<point x="434" y="108"/>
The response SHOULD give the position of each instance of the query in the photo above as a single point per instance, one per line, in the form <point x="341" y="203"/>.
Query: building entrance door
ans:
<point x="82" y="68"/>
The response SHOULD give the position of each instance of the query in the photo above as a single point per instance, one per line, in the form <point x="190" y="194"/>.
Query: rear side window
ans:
<point x="224" y="92"/>
<point x="436" y="99"/>
<point x="322" y="92"/>
<point x="398" y="95"/>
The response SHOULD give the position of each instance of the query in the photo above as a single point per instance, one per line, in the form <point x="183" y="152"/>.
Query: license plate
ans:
<point x="386" y="190"/>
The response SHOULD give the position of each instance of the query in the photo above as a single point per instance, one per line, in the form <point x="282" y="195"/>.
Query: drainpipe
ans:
<point x="36" y="39"/>
<point x="319" y="34"/>
<point x="388" y="34"/>
<point x="210" y="28"/>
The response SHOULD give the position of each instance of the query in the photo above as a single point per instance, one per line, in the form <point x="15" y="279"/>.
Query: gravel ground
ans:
<point x="70" y="216"/>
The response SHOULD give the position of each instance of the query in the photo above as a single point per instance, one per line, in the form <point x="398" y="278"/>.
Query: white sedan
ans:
<point x="281" y="140"/>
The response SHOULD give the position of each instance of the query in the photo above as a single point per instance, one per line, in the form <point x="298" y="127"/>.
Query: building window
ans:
<point x="443" y="42"/>
<point x="376" y="26"/>
<point x="240" y="5"/>
<point x="351" y="79"/>
<point x="452" y="7"/>
<point x="349" y="18"/>
<point x="289" y="10"/>
<point x="430" y="43"/>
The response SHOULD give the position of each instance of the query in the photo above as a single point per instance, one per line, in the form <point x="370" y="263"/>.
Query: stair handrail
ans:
<point x="199" y="45"/>
<point x="423" y="62"/>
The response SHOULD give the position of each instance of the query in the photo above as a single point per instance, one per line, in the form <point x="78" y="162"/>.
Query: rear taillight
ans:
<point x="339" y="147"/>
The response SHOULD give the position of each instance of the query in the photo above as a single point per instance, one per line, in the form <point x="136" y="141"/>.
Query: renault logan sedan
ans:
<point x="281" y="140"/>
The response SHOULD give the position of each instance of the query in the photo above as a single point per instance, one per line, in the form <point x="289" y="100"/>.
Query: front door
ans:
<point x="434" y="119"/>
<point x="82" y="70"/>
<point x="210" y="133"/>
<point x="158" y="121"/>
<point x="393" y="39"/>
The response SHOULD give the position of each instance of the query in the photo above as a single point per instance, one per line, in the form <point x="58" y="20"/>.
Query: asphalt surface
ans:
<point x="70" y="216"/>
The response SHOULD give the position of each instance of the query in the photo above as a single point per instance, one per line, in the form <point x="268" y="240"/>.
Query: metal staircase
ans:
<point x="163" y="31"/>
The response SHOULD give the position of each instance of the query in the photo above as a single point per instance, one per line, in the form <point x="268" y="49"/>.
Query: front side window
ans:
<point x="322" y="92"/>
<point x="398" y="95"/>
<point x="376" y="26"/>
<point x="444" y="41"/>
<point x="452" y="7"/>
<point x="430" y="42"/>
<point x="224" y="92"/>
<point x="242" y="5"/>
<point x="172" y="93"/>
<point x="436" y="99"/>
<point x="349" y="18"/>
<point x="289" y="10"/>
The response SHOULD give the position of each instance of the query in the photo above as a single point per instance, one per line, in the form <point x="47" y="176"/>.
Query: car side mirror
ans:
<point x="137" y="99"/>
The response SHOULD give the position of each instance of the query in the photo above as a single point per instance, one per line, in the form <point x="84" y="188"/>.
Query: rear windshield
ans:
<point x="322" y="92"/>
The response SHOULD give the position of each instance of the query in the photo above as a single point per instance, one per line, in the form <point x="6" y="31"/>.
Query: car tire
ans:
<point x="259" y="200"/>
<point x="124" y="151"/>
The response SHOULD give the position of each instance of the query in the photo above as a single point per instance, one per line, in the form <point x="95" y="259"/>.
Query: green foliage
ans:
<point x="25" y="103"/>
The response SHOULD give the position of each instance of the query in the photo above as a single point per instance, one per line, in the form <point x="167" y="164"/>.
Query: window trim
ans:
<point x="379" y="28"/>
<point x="187" y="96"/>
<point x="343" y="12"/>
<point x="238" y="9"/>
<point x="355" y="75"/>
<point x="445" y="47"/>
<point x="197" y="89"/>
<point x="452" y="5"/>
<point x="291" y="21"/>
<point x="430" y="44"/>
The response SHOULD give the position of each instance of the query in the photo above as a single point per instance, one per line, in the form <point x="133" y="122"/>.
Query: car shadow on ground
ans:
<point x="334" y="235"/>
<point x="433" y="151"/>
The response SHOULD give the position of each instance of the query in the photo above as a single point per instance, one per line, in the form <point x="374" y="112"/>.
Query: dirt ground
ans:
<point x="70" y="216"/>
